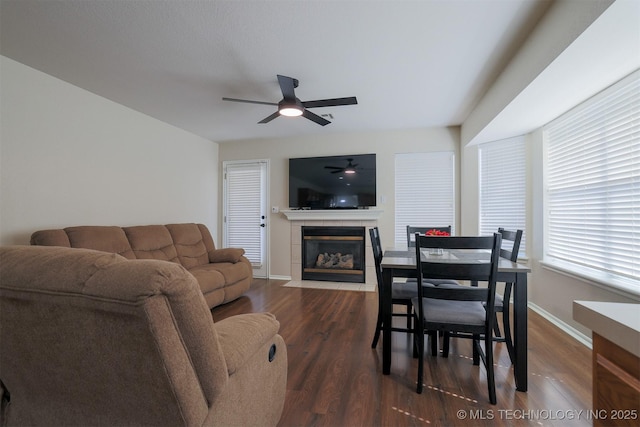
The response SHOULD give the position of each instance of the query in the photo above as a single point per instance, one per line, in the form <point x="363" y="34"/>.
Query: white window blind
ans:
<point x="503" y="189"/>
<point x="424" y="191"/>
<point x="593" y="187"/>
<point x="243" y="210"/>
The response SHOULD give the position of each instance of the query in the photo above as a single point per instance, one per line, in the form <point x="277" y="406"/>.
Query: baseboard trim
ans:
<point x="274" y="277"/>
<point x="565" y="327"/>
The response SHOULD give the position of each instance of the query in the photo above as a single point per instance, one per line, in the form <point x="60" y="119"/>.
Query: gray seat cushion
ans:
<point x="452" y="312"/>
<point x="408" y="290"/>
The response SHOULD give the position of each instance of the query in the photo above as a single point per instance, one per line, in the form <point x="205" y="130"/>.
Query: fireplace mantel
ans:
<point x="332" y="214"/>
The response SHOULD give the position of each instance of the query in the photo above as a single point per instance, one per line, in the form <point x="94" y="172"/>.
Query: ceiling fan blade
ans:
<point x="249" y="101"/>
<point x="287" y="87"/>
<point x="271" y="117"/>
<point x="330" y="102"/>
<point x="315" y="118"/>
<point x="333" y="167"/>
<point x="338" y="171"/>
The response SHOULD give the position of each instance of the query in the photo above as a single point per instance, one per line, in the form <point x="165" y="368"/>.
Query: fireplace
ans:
<point x="334" y="254"/>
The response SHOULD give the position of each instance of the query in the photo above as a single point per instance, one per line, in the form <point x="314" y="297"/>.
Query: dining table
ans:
<point x="401" y="262"/>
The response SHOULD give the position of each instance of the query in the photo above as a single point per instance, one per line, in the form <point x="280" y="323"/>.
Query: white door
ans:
<point x="245" y="211"/>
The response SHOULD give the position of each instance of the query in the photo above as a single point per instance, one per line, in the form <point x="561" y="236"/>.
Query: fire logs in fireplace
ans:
<point x="337" y="260"/>
<point x="333" y="254"/>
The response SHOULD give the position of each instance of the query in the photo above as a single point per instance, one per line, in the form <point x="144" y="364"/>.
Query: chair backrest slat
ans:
<point x="460" y="270"/>
<point x="514" y="237"/>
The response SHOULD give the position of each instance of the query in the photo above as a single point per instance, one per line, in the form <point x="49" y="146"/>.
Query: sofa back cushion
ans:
<point x="190" y="245"/>
<point x="50" y="238"/>
<point x="100" y="238"/>
<point x="111" y="341"/>
<point x="151" y="242"/>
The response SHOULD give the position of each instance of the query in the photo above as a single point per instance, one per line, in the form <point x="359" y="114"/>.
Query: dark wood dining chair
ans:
<point x="509" y="250"/>
<point x="458" y="310"/>
<point x="510" y="240"/>
<point x="401" y="293"/>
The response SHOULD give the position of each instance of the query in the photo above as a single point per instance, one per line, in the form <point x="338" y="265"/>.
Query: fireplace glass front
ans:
<point x="333" y="254"/>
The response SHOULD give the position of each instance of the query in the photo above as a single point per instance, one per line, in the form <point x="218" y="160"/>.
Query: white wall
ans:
<point x="384" y="144"/>
<point x="69" y="157"/>
<point x="562" y="24"/>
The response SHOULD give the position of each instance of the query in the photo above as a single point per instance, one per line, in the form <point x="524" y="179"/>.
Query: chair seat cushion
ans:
<point x="452" y="312"/>
<point x="449" y="283"/>
<point x="407" y="290"/>
<point x="437" y="282"/>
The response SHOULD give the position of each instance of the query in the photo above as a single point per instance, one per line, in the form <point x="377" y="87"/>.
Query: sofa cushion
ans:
<point x="152" y="242"/>
<point x="206" y="237"/>
<point x="100" y="238"/>
<point x="189" y="243"/>
<point x="232" y="272"/>
<point x="208" y="277"/>
<point x="50" y="238"/>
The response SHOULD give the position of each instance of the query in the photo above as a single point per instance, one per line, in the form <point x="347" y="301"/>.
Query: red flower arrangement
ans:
<point x="434" y="232"/>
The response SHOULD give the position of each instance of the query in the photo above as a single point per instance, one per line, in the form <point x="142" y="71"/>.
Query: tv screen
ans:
<point x="333" y="182"/>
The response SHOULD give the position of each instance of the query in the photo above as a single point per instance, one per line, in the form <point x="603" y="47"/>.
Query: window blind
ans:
<point x="243" y="212"/>
<point x="424" y="191"/>
<point x="503" y="189"/>
<point x="593" y="186"/>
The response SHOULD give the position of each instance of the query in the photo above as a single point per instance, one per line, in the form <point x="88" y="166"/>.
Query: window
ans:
<point x="593" y="187"/>
<point x="503" y="187"/>
<point x="425" y="190"/>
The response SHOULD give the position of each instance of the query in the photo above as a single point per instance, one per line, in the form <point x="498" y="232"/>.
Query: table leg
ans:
<point x="386" y="306"/>
<point x="520" y="331"/>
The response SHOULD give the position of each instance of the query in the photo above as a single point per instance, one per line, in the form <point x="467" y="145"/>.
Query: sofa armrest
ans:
<point x="226" y="255"/>
<point x="242" y="335"/>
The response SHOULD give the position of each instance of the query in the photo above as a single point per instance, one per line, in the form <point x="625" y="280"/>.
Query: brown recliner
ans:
<point x="90" y="338"/>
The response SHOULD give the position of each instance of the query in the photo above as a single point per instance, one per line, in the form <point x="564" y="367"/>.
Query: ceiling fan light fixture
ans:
<point x="290" y="111"/>
<point x="350" y="171"/>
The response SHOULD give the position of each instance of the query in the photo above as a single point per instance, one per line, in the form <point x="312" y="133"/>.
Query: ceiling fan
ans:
<point x="349" y="169"/>
<point x="292" y="107"/>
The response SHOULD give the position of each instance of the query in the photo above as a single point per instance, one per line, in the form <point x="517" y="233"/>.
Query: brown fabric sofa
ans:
<point x="223" y="274"/>
<point x="90" y="338"/>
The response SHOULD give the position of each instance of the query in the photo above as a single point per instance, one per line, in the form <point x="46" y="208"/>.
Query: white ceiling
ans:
<point x="411" y="64"/>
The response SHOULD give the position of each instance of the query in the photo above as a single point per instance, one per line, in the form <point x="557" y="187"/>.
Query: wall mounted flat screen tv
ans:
<point x="333" y="182"/>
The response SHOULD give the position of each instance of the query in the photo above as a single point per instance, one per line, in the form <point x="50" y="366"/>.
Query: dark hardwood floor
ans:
<point x="335" y="377"/>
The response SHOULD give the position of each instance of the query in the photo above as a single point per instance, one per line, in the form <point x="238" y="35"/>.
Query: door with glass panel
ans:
<point x="245" y="218"/>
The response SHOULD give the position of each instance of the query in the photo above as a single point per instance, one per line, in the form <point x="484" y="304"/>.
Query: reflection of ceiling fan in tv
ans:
<point x="349" y="168"/>
<point x="293" y="107"/>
